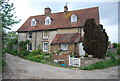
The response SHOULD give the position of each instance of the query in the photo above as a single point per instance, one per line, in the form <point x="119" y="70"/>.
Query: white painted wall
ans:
<point x="81" y="51"/>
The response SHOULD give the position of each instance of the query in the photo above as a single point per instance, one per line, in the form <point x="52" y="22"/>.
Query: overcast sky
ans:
<point x="108" y="12"/>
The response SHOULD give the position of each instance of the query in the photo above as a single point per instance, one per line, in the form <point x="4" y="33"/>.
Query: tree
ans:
<point x="115" y="45"/>
<point x="7" y="19"/>
<point x="95" y="39"/>
<point x="11" y="39"/>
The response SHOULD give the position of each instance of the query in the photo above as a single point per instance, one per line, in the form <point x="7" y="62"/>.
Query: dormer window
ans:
<point x="33" y="22"/>
<point x="73" y="18"/>
<point x="47" y="21"/>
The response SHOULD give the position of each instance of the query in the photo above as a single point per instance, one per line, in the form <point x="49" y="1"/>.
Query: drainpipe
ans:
<point x="75" y="48"/>
<point x="35" y="41"/>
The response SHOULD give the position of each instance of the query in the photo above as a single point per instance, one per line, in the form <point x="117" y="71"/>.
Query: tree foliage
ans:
<point x="95" y="39"/>
<point x="8" y="18"/>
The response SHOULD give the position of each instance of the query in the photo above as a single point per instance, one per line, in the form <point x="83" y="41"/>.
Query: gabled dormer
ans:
<point x="33" y="22"/>
<point x="48" y="20"/>
<point x="73" y="18"/>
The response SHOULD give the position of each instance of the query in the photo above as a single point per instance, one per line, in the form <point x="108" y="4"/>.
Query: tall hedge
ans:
<point x="95" y="39"/>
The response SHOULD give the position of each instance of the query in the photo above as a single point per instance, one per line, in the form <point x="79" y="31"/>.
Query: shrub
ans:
<point x="13" y="52"/>
<point x="36" y="52"/>
<point x="36" y="58"/>
<point x="95" y="39"/>
<point x="24" y="53"/>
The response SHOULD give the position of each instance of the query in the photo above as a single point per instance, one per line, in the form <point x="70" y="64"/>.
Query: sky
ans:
<point x="108" y="12"/>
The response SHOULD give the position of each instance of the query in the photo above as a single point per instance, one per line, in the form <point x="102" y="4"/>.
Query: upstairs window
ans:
<point x="29" y="35"/>
<point x="64" y="46"/>
<point x="33" y="22"/>
<point x="45" y="34"/>
<point x="73" y="18"/>
<point x="48" y="21"/>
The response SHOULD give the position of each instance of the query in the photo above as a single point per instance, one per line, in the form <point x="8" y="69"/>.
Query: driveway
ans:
<point x="18" y="68"/>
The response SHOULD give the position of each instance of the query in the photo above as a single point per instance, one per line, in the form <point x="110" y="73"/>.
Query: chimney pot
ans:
<point x="47" y="11"/>
<point x="65" y="8"/>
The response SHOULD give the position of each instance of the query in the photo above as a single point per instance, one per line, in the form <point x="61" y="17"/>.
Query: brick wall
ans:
<point x="71" y="48"/>
<point x="88" y="61"/>
<point x="61" y="57"/>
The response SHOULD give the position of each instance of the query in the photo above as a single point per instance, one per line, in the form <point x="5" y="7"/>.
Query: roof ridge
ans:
<point x="68" y="11"/>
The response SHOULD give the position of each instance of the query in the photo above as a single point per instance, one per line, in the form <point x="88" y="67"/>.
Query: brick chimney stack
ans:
<point x="47" y="11"/>
<point x="65" y="8"/>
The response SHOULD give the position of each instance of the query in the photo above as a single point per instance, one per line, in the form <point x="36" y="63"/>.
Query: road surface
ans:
<point x="18" y="68"/>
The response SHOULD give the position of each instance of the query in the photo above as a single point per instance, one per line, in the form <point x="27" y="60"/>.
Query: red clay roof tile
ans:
<point x="61" y="20"/>
<point x="67" y="38"/>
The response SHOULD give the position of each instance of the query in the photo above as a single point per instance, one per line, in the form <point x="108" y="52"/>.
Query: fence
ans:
<point x="74" y="61"/>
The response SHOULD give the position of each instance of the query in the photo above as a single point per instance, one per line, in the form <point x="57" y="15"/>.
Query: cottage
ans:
<point x="62" y="31"/>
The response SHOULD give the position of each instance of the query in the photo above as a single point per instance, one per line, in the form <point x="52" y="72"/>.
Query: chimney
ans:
<point x="65" y="8"/>
<point x="47" y="11"/>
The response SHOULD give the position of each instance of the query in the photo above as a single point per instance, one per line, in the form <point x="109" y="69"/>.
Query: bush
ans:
<point x="24" y="53"/>
<point x="36" y="58"/>
<point x="36" y="52"/>
<point x="13" y="52"/>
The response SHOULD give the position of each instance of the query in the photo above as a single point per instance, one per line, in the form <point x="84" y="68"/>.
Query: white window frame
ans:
<point x="28" y="36"/>
<point x="47" y="20"/>
<point x="28" y="47"/>
<point x="45" y="49"/>
<point x="44" y="36"/>
<point x="73" y="18"/>
<point x="63" y="47"/>
<point x="35" y="22"/>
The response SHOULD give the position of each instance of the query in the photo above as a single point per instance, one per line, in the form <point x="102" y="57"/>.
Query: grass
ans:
<point x="104" y="64"/>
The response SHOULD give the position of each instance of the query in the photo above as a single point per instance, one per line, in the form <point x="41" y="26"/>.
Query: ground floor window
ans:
<point x="29" y="47"/>
<point x="45" y="46"/>
<point x="64" y="46"/>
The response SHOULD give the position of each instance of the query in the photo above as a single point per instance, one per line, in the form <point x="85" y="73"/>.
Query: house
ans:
<point x="62" y="31"/>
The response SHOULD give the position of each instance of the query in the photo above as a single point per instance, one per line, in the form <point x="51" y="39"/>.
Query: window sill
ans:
<point x="64" y="49"/>
<point x="29" y="38"/>
<point x="45" y="37"/>
<point x="45" y="51"/>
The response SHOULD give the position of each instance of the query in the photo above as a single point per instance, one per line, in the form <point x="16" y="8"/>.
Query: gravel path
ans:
<point x="18" y="68"/>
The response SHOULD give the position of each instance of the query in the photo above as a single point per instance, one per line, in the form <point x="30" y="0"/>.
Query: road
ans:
<point x="18" y="68"/>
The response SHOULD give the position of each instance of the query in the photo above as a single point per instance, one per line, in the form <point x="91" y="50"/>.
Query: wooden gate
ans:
<point x="74" y="61"/>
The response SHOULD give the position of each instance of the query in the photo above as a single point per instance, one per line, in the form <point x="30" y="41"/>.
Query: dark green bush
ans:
<point x="13" y="52"/>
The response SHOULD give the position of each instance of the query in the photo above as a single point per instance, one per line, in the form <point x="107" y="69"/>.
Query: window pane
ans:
<point x="64" y="46"/>
<point x="29" y="46"/>
<point x="45" y="34"/>
<point x="30" y="35"/>
<point x="45" y="46"/>
<point x="33" y="23"/>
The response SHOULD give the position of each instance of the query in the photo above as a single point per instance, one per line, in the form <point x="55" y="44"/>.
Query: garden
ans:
<point x="46" y="58"/>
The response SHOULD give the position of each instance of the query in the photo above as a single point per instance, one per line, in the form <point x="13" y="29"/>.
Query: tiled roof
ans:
<point x="61" y="20"/>
<point x="67" y="38"/>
